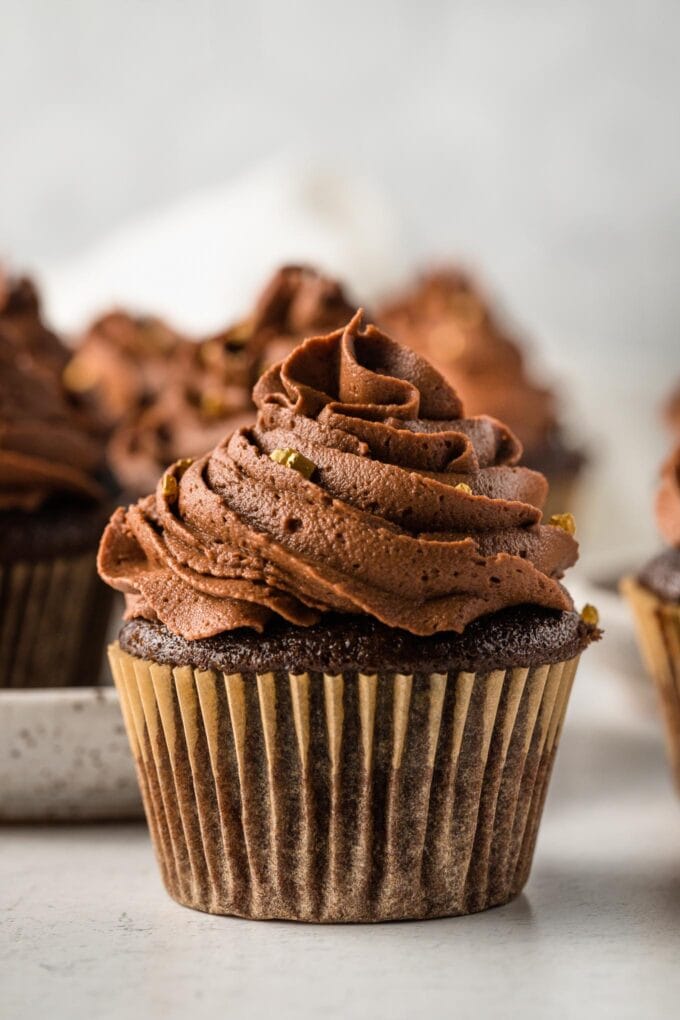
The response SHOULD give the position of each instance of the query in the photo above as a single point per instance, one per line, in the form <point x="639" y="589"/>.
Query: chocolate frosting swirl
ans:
<point x="381" y="527"/>
<point x="45" y="448"/>
<point x="445" y="317"/>
<point x="668" y="500"/>
<point x="36" y="348"/>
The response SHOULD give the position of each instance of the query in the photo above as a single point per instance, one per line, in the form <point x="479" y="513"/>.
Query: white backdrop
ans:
<point x="538" y="139"/>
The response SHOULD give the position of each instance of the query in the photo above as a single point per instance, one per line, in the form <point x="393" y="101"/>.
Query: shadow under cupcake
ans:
<point x="348" y="655"/>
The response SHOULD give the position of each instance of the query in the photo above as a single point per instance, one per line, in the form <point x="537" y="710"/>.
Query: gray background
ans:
<point x="538" y="140"/>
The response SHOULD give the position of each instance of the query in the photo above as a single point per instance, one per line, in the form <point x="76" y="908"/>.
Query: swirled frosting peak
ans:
<point x="361" y="489"/>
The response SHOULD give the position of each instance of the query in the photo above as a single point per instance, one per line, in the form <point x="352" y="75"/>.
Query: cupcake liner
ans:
<point x="342" y="797"/>
<point x="657" y="624"/>
<point x="53" y="616"/>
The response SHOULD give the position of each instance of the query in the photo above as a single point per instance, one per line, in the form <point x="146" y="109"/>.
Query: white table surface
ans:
<point x="86" y="930"/>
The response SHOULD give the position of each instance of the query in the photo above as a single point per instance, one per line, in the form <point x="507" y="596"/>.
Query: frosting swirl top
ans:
<point x="668" y="500"/>
<point x="45" y="447"/>
<point x="397" y="507"/>
<point x="446" y="318"/>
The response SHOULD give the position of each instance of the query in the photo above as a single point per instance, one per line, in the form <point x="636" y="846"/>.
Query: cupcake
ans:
<point x="654" y="596"/>
<point x="53" y="504"/>
<point x="445" y="317"/>
<point x="348" y="653"/>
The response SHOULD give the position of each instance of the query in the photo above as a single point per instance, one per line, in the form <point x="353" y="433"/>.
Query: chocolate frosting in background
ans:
<point x="162" y="396"/>
<point x="121" y="364"/>
<point x="671" y="411"/>
<point x="207" y="393"/>
<point x="37" y="349"/>
<point x="297" y="303"/>
<point x="668" y="500"/>
<point x="45" y="447"/>
<point x="403" y="509"/>
<point x="445" y="317"/>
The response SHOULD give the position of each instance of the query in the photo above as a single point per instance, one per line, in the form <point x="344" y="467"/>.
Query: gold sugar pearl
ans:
<point x="79" y="376"/>
<point x="294" y="459"/>
<point x="170" y="488"/>
<point x="590" y="615"/>
<point x="211" y="405"/>
<point x="463" y="487"/>
<point x="567" y="522"/>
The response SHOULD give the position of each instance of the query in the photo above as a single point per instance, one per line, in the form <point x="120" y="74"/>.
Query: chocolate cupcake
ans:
<point x="654" y="596"/>
<point x="445" y="317"/>
<point x="348" y="652"/>
<point x="53" y="504"/>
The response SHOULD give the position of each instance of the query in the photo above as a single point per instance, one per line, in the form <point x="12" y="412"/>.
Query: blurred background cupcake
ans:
<point x="161" y="396"/>
<point x="55" y="495"/>
<point x="654" y="597"/>
<point x="445" y="315"/>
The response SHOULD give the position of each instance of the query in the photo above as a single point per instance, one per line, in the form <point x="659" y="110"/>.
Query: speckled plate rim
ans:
<point x="64" y="756"/>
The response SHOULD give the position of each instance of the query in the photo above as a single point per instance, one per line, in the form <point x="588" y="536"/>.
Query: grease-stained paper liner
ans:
<point x="657" y="624"/>
<point x="53" y="616"/>
<point x="342" y="798"/>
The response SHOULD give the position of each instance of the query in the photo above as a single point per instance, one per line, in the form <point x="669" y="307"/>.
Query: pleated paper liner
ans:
<point x="53" y="616"/>
<point x="342" y="798"/>
<point x="657" y="625"/>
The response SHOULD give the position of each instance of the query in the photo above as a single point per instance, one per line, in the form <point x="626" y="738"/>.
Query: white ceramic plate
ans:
<point x="64" y="755"/>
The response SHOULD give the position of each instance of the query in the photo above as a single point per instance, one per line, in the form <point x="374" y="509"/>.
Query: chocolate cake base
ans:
<point x="300" y="776"/>
<point x="520" y="636"/>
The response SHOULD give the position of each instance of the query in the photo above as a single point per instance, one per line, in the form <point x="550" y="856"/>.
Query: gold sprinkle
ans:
<point x="170" y="488"/>
<point x="79" y="376"/>
<point x="211" y="405"/>
<point x="294" y="459"/>
<point x="463" y="487"/>
<point x="183" y="464"/>
<point x="241" y="332"/>
<point x="590" y="615"/>
<point x="567" y="522"/>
